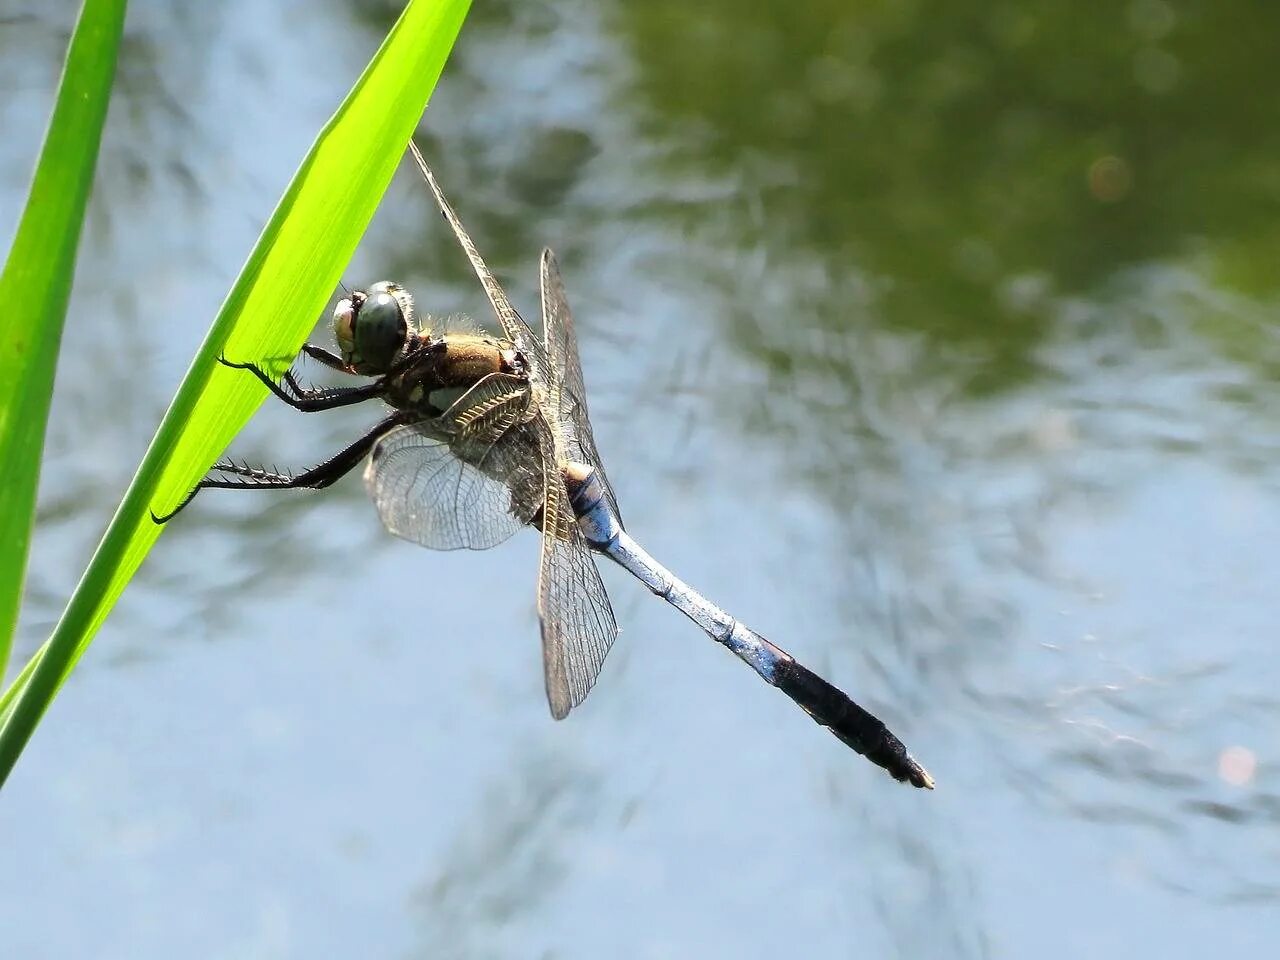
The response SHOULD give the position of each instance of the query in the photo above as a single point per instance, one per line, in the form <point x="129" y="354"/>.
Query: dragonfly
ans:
<point x="487" y="435"/>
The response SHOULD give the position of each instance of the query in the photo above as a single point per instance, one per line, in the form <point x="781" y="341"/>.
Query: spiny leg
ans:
<point x="313" y="399"/>
<point x="317" y="478"/>
<point x="326" y="357"/>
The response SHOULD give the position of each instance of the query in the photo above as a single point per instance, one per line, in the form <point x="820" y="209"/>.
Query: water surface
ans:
<point x="938" y="342"/>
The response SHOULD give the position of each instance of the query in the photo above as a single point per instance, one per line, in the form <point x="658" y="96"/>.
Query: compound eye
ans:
<point x="371" y="328"/>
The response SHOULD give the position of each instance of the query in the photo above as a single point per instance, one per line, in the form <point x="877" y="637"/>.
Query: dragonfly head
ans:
<point x="373" y="327"/>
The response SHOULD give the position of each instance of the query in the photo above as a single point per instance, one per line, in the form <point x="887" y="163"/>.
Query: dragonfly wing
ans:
<point x="578" y="626"/>
<point x="464" y="480"/>
<point x="513" y="325"/>
<point x="562" y="344"/>
<point x="424" y="493"/>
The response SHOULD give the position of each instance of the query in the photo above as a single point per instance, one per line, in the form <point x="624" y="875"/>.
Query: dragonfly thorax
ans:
<point x="436" y="371"/>
<point x="374" y="328"/>
<point x="378" y="335"/>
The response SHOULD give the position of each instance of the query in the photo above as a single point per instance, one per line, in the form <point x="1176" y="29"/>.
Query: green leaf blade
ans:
<point x="36" y="284"/>
<point x="285" y="283"/>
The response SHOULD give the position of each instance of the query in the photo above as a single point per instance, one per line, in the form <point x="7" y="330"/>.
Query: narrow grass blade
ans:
<point x="36" y="284"/>
<point x="273" y="305"/>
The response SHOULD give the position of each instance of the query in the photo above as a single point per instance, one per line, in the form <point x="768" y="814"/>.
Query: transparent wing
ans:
<point x="578" y="626"/>
<point x="562" y="346"/>
<point x="513" y="325"/>
<point x="426" y="494"/>
<point x="468" y="479"/>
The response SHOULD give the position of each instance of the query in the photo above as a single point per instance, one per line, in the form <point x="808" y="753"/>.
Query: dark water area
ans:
<point x="938" y="342"/>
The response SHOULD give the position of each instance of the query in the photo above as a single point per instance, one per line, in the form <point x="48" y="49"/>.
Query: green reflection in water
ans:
<point x="955" y="154"/>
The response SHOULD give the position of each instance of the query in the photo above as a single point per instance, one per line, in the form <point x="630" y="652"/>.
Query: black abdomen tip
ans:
<point x="862" y="731"/>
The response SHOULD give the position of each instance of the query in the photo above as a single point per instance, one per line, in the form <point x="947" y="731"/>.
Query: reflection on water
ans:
<point x="501" y="871"/>
<point x="938" y="342"/>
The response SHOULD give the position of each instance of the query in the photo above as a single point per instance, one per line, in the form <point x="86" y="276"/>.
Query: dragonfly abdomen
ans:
<point x="586" y="496"/>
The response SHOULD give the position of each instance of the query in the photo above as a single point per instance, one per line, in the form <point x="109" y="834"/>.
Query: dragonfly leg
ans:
<point x="317" y="478"/>
<point x="326" y="357"/>
<point x="308" y="400"/>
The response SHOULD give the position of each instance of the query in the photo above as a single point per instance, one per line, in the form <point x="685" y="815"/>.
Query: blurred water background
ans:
<point x="937" y="341"/>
